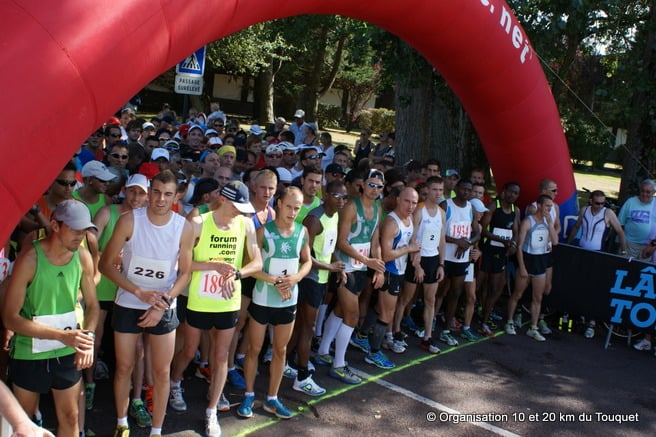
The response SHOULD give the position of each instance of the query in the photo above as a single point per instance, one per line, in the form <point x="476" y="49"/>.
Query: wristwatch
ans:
<point x="91" y="334"/>
<point x="237" y="275"/>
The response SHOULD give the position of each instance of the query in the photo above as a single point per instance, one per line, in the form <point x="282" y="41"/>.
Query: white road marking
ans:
<point x="431" y="403"/>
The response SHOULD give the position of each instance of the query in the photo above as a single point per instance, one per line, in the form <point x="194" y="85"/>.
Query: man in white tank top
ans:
<point x="425" y="267"/>
<point x="594" y="220"/>
<point x="157" y="251"/>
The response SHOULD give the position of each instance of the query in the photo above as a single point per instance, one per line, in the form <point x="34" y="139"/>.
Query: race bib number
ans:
<point x="429" y="240"/>
<point x="4" y="268"/>
<point x="211" y="285"/>
<point x="66" y="321"/>
<point x="540" y="240"/>
<point x="504" y="234"/>
<point x="329" y="242"/>
<point x="149" y="273"/>
<point x="363" y="249"/>
<point x="283" y="266"/>
<point x="460" y="230"/>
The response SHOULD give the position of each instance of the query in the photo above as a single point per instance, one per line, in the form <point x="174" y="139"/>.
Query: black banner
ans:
<point x="603" y="287"/>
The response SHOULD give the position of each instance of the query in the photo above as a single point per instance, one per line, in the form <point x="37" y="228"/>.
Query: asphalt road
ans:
<point x="566" y="386"/>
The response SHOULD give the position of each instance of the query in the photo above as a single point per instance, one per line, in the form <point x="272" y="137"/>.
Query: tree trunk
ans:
<point x="638" y="126"/>
<point x="264" y="95"/>
<point x="413" y="104"/>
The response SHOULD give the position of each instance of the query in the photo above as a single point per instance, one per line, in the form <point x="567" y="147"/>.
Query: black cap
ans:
<point x="334" y="169"/>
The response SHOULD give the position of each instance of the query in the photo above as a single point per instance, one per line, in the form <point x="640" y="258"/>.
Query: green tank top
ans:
<point x="50" y="300"/>
<point x="106" y="289"/>
<point x="93" y="207"/>
<point x="280" y="256"/>
<point x="324" y="243"/>
<point x="359" y="236"/>
<point x="217" y="245"/>
<point x="305" y="209"/>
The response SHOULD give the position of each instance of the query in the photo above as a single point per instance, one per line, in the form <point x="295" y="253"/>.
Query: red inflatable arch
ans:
<point x="70" y="65"/>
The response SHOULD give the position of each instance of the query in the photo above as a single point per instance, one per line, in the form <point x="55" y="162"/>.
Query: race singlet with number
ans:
<point x="149" y="273"/>
<point x="504" y="234"/>
<point x="65" y="321"/>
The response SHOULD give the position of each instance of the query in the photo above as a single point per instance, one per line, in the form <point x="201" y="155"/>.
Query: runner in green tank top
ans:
<point x="49" y="348"/>
<point x="286" y="258"/>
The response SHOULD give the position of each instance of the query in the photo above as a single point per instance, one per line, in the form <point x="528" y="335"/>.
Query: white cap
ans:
<point x="215" y="141"/>
<point x="299" y="113"/>
<point x="478" y="205"/>
<point x="160" y="153"/>
<point x="138" y="180"/>
<point x="97" y="170"/>
<point x="256" y="130"/>
<point x="284" y="175"/>
<point x="147" y="125"/>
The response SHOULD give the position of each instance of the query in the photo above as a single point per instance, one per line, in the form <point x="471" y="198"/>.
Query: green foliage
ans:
<point x="377" y="119"/>
<point x="329" y="116"/>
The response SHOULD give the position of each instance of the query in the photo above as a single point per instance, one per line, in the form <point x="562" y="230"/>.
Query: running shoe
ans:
<point x="420" y="333"/>
<point x="323" y="360"/>
<point x="345" y="375"/>
<point x="235" y="379"/>
<point x="642" y="345"/>
<point x="455" y="325"/>
<point x="518" y="319"/>
<point x="268" y="355"/>
<point x="379" y="360"/>
<point x="430" y="346"/>
<point x="289" y="372"/>
<point x="467" y="334"/>
<point x="275" y="407"/>
<point x="139" y="413"/>
<point x="148" y="398"/>
<point x="394" y="346"/>
<point x="534" y="333"/>
<point x="309" y="387"/>
<point x="89" y="394"/>
<point x="224" y="403"/>
<point x="486" y="331"/>
<point x="544" y="328"/>
<point x="446" y="337"/>
<point x="212" y="427"/>
<point x="590" y="330"/>
<point x="121" y="431"/>
<point x="409" y="323"/>
<point x="510" y="328"/>
<point x="246" y="407"/>
<point x="176" y="401"/>
<point x="495" y="316"/>
<point x="360" y="343"/>
<point x="204" y="373"/>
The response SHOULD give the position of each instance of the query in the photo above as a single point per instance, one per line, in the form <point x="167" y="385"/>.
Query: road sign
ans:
<point x="189" y="84"/>
<point x="194" y="64"/>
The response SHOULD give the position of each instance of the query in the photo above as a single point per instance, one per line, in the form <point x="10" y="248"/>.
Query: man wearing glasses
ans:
<point x="96" y="180"/>
<point x="359" y="248"/>
<point x="112" y="135"/>
<point x="306" y="157"/>
<point x="638" y="218"/>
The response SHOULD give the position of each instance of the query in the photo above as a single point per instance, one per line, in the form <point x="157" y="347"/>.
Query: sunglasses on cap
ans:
<point x="377" y="174"/>
<point x="65" y="183"/>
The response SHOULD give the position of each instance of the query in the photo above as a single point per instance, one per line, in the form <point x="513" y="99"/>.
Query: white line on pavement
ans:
<point x="431" y="403"/>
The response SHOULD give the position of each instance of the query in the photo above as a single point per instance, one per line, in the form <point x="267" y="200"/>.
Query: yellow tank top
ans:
<point x="217" y="245"/>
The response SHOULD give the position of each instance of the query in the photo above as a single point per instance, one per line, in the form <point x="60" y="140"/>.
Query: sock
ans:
<point x="271" y="398"/>
<point x="330" y="332"/>
<point x="465" y="328"/>
<point x="203" y="364"/>
<point x="122" y="421"/>
<point x="376" y="337"/>
<point x="231" y="369"/>
<point x="240" y="356"/>
<point x="303" y="373"/>
<point x="209" y="411"/>
<point x="341" y="343"/>
<point x="175" y="384"/>
<point x="249" y="393"/>
<point x="155" y="431"/>
<point x="389" y="336"/>
<point x="135" y="400"/>
<point x="321" y="314"/>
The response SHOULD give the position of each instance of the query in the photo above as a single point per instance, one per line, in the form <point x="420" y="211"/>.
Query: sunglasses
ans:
<point x="339" y="195"/>
<point x="164" y="139"/>
<point x="119" y="156"/>
<point x="600" y="203"/>
<point x="98" y="135"/>
<point x="115" y="135"/>
<point x="65" y="183"/>
<point x="312" y="157"/>
<point x="555" y="190"/>
<point x="338" y="175"/>
<point x="376" y="186"/>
